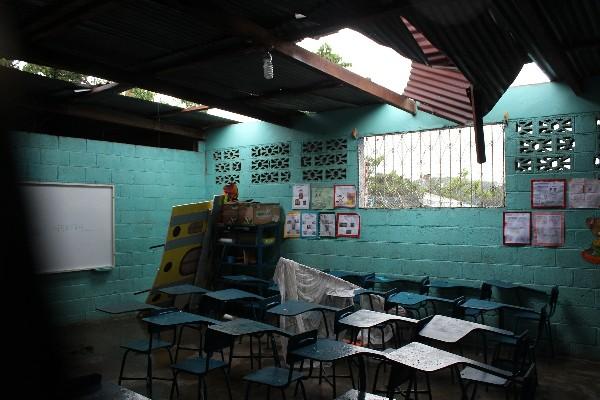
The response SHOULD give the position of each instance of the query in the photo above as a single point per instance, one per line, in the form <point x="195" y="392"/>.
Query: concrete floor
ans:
<point x="93" y="347"/>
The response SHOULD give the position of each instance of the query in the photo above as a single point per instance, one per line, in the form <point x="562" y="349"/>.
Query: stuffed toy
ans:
<point x="231" y="192"/>
<point x="594" y="225"/>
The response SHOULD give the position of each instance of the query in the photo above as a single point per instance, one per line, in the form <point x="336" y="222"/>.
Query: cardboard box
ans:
<point x="250" y="213"/>
<point x="265" y="213"/>
<point x="229" y="213"/>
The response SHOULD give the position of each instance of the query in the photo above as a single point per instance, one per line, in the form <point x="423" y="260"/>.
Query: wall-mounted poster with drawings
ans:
<point x="548" y="229"/>
<point x="322" y="198"/>
<point x="310" y="225"/>
<point x="326" y="225"/>
<point x="348" y="225"/>
<point x="345" y="196"/>
<point x="301" y="197"/>
<point x="292" y="225"/>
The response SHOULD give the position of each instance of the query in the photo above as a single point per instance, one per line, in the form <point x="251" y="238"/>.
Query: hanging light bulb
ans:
<point x="268" y="66"/>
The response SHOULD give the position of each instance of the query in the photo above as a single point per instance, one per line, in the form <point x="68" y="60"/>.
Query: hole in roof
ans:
<point x="530" y="74"/>
<point x="369" y="59"/>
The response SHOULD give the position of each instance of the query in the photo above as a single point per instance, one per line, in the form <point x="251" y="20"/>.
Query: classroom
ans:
<point x="332" y="239"/>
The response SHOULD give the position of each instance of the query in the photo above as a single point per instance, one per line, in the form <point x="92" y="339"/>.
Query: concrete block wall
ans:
<point x="457" y="244"/>
<point x="148" y="182"/>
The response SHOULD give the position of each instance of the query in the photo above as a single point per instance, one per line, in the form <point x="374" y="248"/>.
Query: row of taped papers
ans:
<point x="321" y="225"/>
<point x="584" y="193"/>
<point x="323" y="198"/>
<point x="545" y="229"/>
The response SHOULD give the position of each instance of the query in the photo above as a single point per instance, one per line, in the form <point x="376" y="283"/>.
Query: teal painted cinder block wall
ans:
<point x="148" y="182"/>
<point x="457" y="244"/>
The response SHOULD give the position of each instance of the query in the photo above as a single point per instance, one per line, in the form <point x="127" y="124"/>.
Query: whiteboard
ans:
<point x="71" y="226"/>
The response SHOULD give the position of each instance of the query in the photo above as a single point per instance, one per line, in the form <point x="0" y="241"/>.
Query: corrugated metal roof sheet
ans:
<point x="441" y="92"/>
<point x="488" y="41"/>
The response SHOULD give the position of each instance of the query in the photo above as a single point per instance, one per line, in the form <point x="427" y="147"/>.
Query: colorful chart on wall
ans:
<point x="516" y="228"/>
<point x="326" y="225"/>
<point x="310" y="225"/>
<point x="183" y="247"/>
<point x="292" y="225"/>
<point x="548" y="229"/>
<point x="321" y="198"/>
<point x="345" y="196"/>
<point x="348" y="225"/>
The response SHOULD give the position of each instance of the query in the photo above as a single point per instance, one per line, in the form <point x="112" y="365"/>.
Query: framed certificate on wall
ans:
<point x="516" y="228"/>
<point x="548" y="193"/>
<point x="548" y="229"/>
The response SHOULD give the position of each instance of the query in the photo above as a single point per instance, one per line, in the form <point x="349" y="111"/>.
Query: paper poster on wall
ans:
<point x="292" y="225"/>
<point x="348" y="225"/>
<point x="310" y="224"/>
<point x="326" y="225"/>
<point x="345" y="196"/>
<point x="301" y="197"/>
<point x="516" y="228"/>
<point x="548" y="229"/>
<point x="548" y="193"/>
<point x="322" y="198"/>
<point x="583" y="193"/>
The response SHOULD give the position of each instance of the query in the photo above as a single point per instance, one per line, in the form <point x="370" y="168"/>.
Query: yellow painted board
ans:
<point x="183" y="246"/>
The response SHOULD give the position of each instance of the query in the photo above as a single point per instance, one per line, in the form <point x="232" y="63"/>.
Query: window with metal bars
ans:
<point x="436" y="168"/>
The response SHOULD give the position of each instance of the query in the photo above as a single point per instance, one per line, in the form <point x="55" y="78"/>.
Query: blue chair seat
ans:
<point x="472" y="374"/>
<point x="142" y="345"/>
<point x="197" y="365"/>
<point x="273" y="376"/>
<point x="354" y="394"/>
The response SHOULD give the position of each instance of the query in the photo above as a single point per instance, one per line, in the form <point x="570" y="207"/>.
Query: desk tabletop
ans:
<point x="364" y="292"/>
<point x="130" y="306"/>
<point x="296" y="307"/>
<point x="245" y="279"/>
<point x="452" y="330"/>
<point x="430" y="359"/>
<point x="354" y="394"/>
<point x="441" y="284"/>
<point x="182" y="289"/>
<point x="487" y="305"/>
<point x="179" y="318"/>
<point x="347" y="274"/>
<point x="367" y="319"/>
<point x="111" y="391"/>
<point x="502" y="284"/>
<point x="242" y="326"/>
<point x="328" y="350"/>
<point x="232" y="295"/>
<point x="412" y="299"/>
<point x="408" y="298"/>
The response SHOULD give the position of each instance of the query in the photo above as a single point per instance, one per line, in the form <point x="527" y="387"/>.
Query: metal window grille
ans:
<point x="431" y="169"/>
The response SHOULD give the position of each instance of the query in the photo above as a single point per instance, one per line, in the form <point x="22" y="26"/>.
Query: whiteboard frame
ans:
<point x="99" y="185"/>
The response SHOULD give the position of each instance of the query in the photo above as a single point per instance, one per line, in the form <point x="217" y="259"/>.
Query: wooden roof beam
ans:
<point x="249" y="29"/>
<point x="116" y="117"/>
